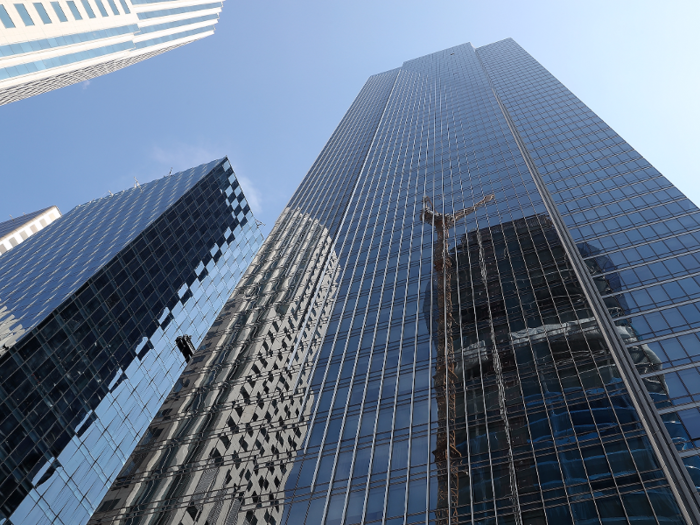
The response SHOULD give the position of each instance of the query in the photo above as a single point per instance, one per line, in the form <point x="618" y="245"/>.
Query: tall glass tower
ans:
<point x="480" y="306"/>
<point x="98" y="312"/>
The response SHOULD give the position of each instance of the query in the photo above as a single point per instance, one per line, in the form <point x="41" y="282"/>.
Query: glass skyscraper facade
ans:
<point x="478" y="307"/>
<point x="50" y="44"/>
<point x="91" y="310"/>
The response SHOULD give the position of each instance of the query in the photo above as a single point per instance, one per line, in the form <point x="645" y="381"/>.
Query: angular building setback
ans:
<point x="94" y="310"/>
<point x="51" y="44"/>
<point x="19" y="229"/>
<point x="480" y="306"/>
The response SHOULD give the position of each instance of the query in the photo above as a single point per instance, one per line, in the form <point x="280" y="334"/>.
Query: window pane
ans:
<point x="113" y="6"/>
<point x="101" y="7"/>
<point x="59" y="11"/>
<point x="125" y="6"/>
<point x="74" y="9"/>
<point x="24" y="15"/>
<point x="5" y="18"/>
<point x="42" y="12"/>
<point x="88" y="8"/>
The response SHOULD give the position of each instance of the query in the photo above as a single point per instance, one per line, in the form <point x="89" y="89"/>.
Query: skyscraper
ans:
<point x="98" y="314"/>
<point x="51" y="44"/>
<point x="478" y="307"/>
<point x="19" y="229"/>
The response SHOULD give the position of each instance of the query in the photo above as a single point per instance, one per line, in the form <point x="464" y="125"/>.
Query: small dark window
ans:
<point x="108" y="505"/>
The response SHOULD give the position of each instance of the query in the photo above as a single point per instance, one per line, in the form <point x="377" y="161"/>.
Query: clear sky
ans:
<point x="273" y="82"/>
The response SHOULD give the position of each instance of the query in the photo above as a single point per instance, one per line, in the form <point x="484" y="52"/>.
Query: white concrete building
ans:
<point x="49" y="44"/>
<point x="19" y="229"/>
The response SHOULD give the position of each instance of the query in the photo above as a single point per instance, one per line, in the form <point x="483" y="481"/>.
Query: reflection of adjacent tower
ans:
<point x="225" y="438"/>
<point x="644" y="358"/>
<point x="515" y="297"/>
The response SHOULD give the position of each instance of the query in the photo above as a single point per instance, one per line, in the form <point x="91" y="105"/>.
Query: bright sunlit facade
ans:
<point x="49" y="44"/>
<point x="19" y="229"/>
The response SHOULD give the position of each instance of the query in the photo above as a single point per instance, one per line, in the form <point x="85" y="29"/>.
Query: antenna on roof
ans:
<point x="110" y="193"/>
<point x="171" y="171"/>
<point x="137" y="185"/>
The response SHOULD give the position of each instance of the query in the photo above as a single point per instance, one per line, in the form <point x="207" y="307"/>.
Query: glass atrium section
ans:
<point x="406" y="349"/>
<point x="90" y="310"/>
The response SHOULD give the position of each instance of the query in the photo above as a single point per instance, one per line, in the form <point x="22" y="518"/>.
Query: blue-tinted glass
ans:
<point x="74" y="9"/>
<point x="175" y="11"/>
<point x="47" y="63"/>
<point x="88" y="8"/>
<point x="24" y="15"/>
<point x="42" y="12"/>
<point x="101" y="7"/>
<point x="59" y="11"/>
<point x="9" y="50"/>
<point x="5" y="18"/>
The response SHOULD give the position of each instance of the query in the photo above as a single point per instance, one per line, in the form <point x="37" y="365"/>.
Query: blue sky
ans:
<point x="273" y="82"/>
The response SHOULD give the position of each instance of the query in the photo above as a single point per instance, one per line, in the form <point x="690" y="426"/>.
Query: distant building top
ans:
<point x="48" y="45"/>
<point x="19" y="229"/>
<point x="38" y="275"/>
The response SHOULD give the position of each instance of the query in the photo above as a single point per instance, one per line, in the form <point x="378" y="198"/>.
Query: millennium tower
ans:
<point x="99" y="311"/>
<point x="47" y="45"/>
<point x="480" y="306"/>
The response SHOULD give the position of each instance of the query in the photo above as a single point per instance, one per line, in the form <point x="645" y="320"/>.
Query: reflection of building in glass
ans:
<point x="565" y="312"/>
<point x="226" y="437"/>
<point x="19" y="229"/>
<point x="91" y="308"/>
<point x="524" y="336"/>
<point x="648" y="364"/>
<point x="631" y="226"/>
